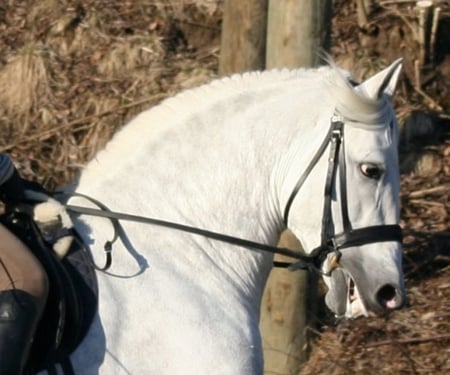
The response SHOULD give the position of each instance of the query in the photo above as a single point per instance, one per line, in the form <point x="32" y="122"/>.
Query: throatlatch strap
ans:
<point x="305" y="174"/>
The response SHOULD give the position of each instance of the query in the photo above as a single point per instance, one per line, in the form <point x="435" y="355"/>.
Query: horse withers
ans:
<point x="248" y="156"/>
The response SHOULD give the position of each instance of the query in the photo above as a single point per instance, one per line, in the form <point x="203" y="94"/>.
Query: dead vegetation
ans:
<point x="415" y="340"/>
<point x="72" y="72"/>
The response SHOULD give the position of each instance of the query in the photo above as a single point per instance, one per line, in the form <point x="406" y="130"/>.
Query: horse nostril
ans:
<point x="388" y="298"/>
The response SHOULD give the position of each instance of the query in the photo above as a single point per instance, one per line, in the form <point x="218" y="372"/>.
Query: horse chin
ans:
<point x="343" y="297"/>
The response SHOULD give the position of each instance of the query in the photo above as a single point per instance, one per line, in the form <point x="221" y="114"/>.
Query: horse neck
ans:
<point x="218" y="169"/>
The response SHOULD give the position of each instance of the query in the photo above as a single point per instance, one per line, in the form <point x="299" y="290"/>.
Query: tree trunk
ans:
<point x="284" y="315"/>
<point x="298" y="34"/>
<point x="243" y="42"/>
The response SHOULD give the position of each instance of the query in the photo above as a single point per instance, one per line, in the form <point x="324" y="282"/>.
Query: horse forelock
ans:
<point x="355" y="107"/>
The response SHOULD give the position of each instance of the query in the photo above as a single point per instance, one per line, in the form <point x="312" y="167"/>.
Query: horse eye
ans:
<point x="372" y="171"/>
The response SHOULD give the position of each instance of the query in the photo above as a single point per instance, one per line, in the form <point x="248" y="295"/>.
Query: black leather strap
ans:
<point x="372" y="234"/>
<point x="114" y="221"/>
<point x="305" y="174"/>
<point x="335" y="143"/>
<point x="343" y="187"/>
<point x="116" y="216"/>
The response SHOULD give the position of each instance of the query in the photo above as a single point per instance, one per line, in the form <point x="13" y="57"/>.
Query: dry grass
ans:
<point x="26" y="79"/>
<point x="415" y="340"/>
<point x="72" y="73"/>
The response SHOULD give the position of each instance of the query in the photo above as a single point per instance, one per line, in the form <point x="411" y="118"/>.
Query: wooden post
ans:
<point x="284" y="316"/>
<point x="243" y="42"/>
<point x="298" y="32"/>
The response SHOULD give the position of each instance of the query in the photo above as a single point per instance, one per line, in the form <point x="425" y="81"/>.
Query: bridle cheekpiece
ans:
<point x="349" y="237"/>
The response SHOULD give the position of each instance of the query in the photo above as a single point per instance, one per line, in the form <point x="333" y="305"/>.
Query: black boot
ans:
<point x="18" y="319"/>
<point x="11" y="185"/>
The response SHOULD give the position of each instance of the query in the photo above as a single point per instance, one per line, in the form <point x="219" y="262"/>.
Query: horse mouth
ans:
<point x="344" y="297"/>
<point x="355" y="306"/>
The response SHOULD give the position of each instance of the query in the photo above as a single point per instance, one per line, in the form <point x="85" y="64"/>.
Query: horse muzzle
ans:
<point x="354" y="292"/>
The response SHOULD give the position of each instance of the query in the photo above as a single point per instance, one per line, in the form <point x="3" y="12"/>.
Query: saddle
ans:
<point x="72" y="299"/>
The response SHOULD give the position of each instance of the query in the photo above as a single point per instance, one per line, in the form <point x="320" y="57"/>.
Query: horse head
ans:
<point x="359" y="250"/>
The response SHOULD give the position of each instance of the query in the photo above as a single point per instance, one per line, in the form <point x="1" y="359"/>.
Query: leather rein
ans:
<point x="329" y="243"/>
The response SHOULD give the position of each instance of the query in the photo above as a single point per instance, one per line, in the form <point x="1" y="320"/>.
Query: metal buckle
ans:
<point x="337" y="118"/>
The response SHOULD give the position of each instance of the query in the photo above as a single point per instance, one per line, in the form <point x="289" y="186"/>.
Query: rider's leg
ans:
<point x="23" y="292"/>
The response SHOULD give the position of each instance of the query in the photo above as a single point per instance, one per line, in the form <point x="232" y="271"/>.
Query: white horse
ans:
<point x="228" y="157"/>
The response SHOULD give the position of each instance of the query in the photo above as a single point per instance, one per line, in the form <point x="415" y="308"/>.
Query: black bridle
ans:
<point x="349" y="237"/>
<point x="329" y="243"/>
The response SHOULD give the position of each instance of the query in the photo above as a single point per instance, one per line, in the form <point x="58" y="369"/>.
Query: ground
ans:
<point x="72" y="72"/>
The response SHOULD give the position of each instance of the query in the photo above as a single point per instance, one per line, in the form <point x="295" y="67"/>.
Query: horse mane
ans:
<point x="222" y="88"/>
<point x="151" y="125"/>
<point x="351" y="103"/>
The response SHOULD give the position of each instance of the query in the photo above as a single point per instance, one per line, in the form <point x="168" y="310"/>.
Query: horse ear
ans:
<point x="383" y="82"/>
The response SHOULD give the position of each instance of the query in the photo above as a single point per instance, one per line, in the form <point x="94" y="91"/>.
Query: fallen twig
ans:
<point x="424" y="202"/>
<point x="433" y="104"/>
<point x="434" y="190"/>
<point x="52" y="131"/>
<point x="416" y="340"/>
<point x="434" y="28"/>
